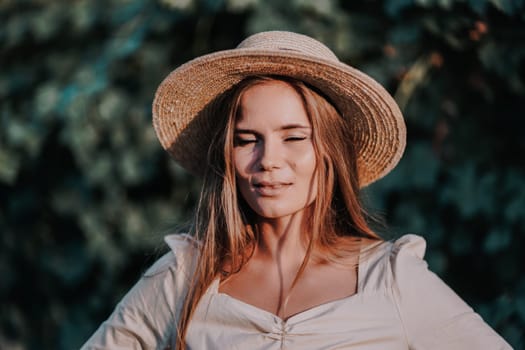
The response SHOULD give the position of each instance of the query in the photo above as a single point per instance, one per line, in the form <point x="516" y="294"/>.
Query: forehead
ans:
<point x="272" y="103"/>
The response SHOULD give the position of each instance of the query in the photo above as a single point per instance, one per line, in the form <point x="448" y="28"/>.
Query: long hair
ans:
<point x="224" y="223"/>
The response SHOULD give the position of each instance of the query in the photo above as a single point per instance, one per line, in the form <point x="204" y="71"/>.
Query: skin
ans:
<point x="275" y="166"/>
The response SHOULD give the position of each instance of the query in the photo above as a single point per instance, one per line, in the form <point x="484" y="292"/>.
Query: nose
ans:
<point x="270" y="155"/>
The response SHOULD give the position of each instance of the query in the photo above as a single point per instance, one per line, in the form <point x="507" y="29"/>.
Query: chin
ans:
<point x="277" y="212"/>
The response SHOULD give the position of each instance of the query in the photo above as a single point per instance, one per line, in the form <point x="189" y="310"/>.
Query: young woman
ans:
<point x="280" y="255"/>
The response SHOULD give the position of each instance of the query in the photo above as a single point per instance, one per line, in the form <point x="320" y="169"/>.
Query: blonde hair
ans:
<point x="224" y="223"/>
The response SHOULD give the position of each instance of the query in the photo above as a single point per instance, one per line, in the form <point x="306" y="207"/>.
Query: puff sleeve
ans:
<point x="433" y="316"/>
<point x="146" y="318"/>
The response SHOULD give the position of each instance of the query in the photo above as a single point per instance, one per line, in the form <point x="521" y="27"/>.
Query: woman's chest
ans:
<point x="280" y="293"/>
<point x="362" y="321"/>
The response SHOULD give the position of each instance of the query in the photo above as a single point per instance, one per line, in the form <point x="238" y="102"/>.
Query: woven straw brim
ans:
<point x="376" y="120"/>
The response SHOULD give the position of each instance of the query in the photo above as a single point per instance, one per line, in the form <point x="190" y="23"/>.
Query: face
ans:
<point x="273" y="153"/>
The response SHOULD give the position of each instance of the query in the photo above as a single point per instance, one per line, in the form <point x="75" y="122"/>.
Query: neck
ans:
<point x="282" y="239"/>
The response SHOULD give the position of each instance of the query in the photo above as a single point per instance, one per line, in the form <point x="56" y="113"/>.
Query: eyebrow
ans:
<point x="284" y="127"/>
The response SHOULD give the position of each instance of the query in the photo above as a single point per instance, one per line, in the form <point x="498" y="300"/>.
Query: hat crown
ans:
<point x="288" y="41"/>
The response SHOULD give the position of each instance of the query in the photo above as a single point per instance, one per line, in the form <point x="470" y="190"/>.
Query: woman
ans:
<point x="280" y="255"/>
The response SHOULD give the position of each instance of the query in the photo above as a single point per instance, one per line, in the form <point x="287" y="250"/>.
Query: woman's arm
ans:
<point x="434" y="317"/>
<point x="144" y="318"/>
<point x="147" y="316"/>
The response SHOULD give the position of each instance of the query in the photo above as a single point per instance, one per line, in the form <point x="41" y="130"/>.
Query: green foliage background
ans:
<point x="86" y="192"/>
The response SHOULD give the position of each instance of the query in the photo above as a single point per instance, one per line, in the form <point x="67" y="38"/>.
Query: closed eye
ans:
<point x="240" y="141"/>
<point x="295" y="138"/>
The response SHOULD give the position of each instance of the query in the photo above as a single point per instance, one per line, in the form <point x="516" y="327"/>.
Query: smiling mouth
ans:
<point x="270" y="189"/>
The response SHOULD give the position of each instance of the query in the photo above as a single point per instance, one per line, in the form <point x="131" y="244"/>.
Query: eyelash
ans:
<point x="295" y="138"/>
<point x="244" y="142"/>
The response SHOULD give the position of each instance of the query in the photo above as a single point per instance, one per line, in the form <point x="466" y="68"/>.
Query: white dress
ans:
<point x="399" y="304"/>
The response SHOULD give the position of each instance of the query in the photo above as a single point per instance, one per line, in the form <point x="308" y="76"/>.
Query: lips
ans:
<point x="270" y="188"/>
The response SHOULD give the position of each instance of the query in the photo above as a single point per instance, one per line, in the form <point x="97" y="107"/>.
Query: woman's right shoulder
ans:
<point x="181" y="257"/>
<point x="147" y="315"/>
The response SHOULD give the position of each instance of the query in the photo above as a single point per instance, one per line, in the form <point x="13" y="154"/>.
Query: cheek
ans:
<point x="310" y="174"/>
<point x="242" y="161"/>
<point x="241" y="165"/>
<point x="306" y="163"/>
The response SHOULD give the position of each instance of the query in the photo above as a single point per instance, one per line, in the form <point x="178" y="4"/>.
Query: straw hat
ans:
<point x="183" y="131"/>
